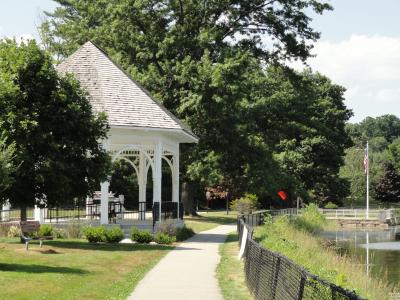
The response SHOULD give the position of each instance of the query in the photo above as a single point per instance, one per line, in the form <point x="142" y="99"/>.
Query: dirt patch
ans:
<point x="38" y="251"/>
<point x="49" y="251"/>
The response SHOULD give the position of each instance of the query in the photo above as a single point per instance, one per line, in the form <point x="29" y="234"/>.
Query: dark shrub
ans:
<point x="95" y="234"/>
<point x="45" y="230"/>
<point x="114" y="235"/>
<point x="141" y="236"/>
<point x="184" y="233"/>
<point x="163" y="238"/>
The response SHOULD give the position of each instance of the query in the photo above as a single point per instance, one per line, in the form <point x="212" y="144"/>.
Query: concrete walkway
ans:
<point x="188" y="271"/>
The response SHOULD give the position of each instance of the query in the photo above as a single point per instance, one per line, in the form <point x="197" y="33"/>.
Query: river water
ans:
<point x="377" y="250"/>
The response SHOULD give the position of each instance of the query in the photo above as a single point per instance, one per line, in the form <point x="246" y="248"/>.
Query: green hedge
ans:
<point x="141" y="236"/>
<point x="164" y="239"/>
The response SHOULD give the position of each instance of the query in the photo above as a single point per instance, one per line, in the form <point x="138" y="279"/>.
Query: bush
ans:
<point x="14" y="231"/>
<point x="164" y="239"/>
<point x="184" y="233"/>
<point x="114" y="235"/>
<point x="59" y="233"/>
<point x="95" y="234"/>
<point x="331" y="205"/>
<point x="168" y="227"/>
<point x="311" y="219"/>
<point x="74" y="230"/>
<point x="141" y="236"/>
<point x="5" y="228"/>
<point x="246" y="204"/>
<point x="45" y="230"/>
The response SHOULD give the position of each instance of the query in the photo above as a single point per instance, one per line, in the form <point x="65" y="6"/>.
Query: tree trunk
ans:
<point x="187" y="199"/>
<point x="23" y="213"/>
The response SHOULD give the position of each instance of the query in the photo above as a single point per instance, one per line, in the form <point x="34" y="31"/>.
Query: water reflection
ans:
<point x="378" y="250"/>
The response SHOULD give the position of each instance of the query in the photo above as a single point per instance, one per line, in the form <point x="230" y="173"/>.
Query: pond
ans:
<point x="377" y="250"/>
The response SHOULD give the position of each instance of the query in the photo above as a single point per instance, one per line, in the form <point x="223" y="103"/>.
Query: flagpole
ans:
<point x="367" y="167"/>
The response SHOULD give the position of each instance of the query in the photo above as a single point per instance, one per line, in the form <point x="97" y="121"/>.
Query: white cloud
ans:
<point x="389" y="96"/>
<point x="368" y="66"/>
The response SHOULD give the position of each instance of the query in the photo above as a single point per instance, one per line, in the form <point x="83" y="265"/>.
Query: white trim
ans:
<point x="193" y="138"/>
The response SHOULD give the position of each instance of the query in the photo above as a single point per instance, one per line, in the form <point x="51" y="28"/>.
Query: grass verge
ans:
<point x="293" y="240"/>
<point x="230" y="271"/>
<point x="210" y="220"/>
<point x="74" y="269"/>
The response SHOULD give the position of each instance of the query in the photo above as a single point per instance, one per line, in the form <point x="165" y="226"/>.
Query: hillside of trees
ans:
<point x="383" y="135"/>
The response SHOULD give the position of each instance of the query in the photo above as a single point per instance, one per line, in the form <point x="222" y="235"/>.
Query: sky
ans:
<point x="359" y="48"/>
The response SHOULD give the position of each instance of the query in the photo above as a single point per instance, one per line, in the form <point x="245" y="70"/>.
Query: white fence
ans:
<point x="342" y="213"/>
<point x="374" y="214"/>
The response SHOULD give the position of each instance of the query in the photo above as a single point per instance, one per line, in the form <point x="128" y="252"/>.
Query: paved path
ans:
<point x="188" y="271"/>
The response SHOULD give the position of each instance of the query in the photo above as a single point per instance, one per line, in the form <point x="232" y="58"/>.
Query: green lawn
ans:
<point x="230" y="271"/>
<point x="209" y="220"/>
<point x="73" y="269"/>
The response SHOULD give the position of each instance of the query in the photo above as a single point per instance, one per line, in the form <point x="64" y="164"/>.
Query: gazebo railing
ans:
<point x="169" y="210"/>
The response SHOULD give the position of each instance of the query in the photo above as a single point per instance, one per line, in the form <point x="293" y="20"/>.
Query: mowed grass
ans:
<point x="230" y="271"/>
<point x="210" y="220"/>
<point x="73" y="269"/>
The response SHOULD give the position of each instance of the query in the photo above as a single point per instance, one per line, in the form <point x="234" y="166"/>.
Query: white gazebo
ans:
<point x="142" y="131"/>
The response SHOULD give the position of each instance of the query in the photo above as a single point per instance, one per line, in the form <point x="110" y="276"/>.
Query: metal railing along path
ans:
<point x="272" y="276"/>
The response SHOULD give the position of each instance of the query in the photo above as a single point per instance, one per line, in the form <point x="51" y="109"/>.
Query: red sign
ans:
<point x="283" y="195"/>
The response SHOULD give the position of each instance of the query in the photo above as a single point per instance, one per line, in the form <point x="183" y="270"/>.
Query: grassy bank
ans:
<point x="297" y="240"/>
<point x="210" y="220"/>
<point x="230" y="272"/>
<point x="73" y="269"/>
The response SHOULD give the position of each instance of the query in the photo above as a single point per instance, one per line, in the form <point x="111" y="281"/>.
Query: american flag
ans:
<point x="365" y="160"/>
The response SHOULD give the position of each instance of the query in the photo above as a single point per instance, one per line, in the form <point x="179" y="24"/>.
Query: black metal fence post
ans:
<point x="276" y="276"/>
<point x="301" y="288"/>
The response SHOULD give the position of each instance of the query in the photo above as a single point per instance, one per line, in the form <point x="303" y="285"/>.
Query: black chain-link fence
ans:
<point x="272" y="276"/>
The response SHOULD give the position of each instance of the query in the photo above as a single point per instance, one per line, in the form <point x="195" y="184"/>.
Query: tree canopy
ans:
<point x="49" y="120"/>
<point x="383" y="136"/>
<point x="388" y="187"/>
<point x="7" y="165"/>
<point x="215" y="64"/>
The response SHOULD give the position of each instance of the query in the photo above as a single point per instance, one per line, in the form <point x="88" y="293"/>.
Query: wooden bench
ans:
<point x="29" y="227"/>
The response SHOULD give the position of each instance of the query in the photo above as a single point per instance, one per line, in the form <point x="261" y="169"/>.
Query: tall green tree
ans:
<point x="205" y="61"/>
<point x="393" y="153"/>
<point x="385" y="126"/>
<point x="307" y="114"/>
<point x="7" y="165"/>
<point x="388" y="188"/>
<point x="50" y="122"/>
<point x="383" y="134"/>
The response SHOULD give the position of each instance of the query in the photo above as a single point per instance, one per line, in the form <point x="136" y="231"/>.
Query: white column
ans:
<point x="122" y="202"/>
<point x="157" y="175"/>
<point x="142" y="186"/>
<point x="104" y="202"/>
<point x="175" y="180"/>
<point x="38" y="214"/>
<point x="87" y="207"/>
<point x="5" y="215"/>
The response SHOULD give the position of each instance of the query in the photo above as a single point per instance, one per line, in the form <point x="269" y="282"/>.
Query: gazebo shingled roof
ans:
<point x="113" y="91"/>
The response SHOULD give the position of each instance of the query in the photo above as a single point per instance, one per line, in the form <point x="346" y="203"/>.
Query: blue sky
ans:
<point x="359" y="48"/>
